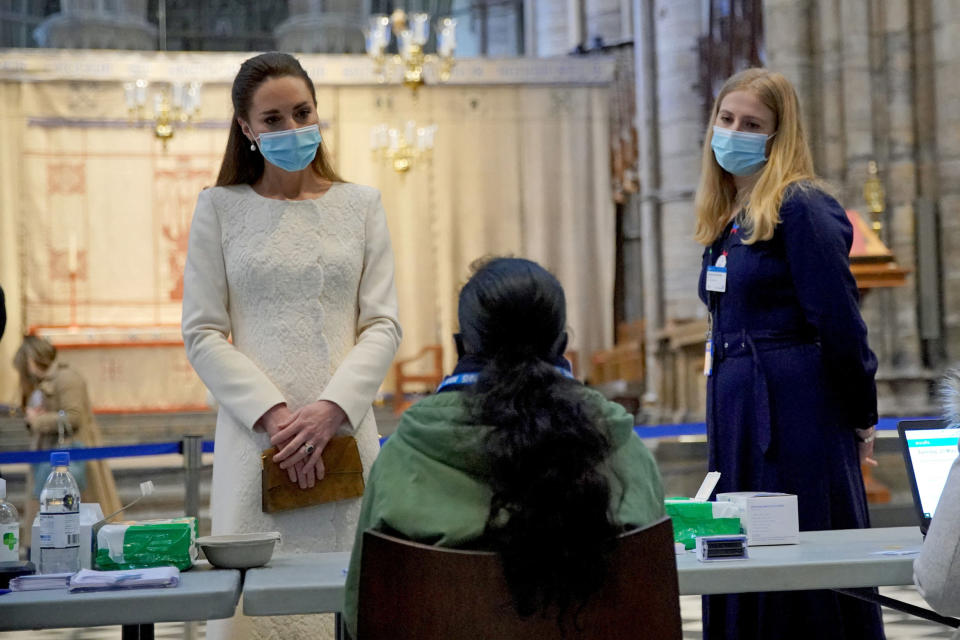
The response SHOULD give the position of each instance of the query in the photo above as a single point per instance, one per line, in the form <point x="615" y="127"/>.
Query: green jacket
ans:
<point x="428" y="481"/>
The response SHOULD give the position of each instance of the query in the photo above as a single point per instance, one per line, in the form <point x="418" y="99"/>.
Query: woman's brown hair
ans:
<point x="241" y="165"/>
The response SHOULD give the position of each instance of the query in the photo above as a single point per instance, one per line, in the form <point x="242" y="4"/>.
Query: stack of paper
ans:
<point x="38" y="582"/>
<point x="87" y="580"/>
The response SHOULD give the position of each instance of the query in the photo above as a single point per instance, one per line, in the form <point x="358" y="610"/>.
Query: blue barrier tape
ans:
<point x="161" y="448"/>
<point x="92" y="453"/>
<point x="700" y="428"/>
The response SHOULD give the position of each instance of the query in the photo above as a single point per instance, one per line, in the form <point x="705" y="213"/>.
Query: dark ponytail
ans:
<point x="241" y="165"/>
<point x="550" y="513"/>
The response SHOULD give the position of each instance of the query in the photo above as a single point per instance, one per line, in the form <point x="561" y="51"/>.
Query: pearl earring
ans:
<point x="253" y="147"/>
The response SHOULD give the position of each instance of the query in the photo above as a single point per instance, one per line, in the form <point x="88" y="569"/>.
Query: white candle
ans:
<point x="421" y="28"/>
<point x="72" y="254"/>
<point x="406" y="42"/>
<point x="141" y="92"/>
<point x="130" y="95"/>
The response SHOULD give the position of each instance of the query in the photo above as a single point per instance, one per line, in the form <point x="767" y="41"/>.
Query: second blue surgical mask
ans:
<point x="291" y="150"/>
<point x="739" y="152"/>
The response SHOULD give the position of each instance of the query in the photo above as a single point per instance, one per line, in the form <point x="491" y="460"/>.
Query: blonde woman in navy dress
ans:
<point x="791" y="398"/>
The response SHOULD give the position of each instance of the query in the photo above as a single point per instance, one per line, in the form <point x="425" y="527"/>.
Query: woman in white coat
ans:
<point x="289" y="318"/>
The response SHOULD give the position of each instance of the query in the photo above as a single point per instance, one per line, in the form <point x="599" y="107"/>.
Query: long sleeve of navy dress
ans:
<point x="793" y="376"/>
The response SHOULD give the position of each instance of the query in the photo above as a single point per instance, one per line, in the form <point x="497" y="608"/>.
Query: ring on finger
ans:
<point x="309" y="448"/>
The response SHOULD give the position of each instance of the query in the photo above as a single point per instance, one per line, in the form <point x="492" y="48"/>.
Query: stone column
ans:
<point x="789" y="45"/>
<point x="92" y="24"/>
<point x="648" y="130"/>
<point x="323" y="26"/>
<point x="609" y="20"/>
<point x="551" y="29"/>
<point x="929" y="260"/>
<point x="681" y="129"/>
<point x="828" y="110"/>
<point x="946" y="52"/>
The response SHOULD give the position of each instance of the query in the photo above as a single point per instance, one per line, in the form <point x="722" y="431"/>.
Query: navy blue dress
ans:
<point x="792" y="378"/>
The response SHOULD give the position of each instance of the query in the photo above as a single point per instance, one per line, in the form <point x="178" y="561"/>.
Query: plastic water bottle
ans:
<point x="9" y="528"/>
<point x="60" y="518"/>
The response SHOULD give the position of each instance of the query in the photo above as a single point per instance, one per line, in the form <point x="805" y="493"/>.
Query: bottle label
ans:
<point x="9" y="542"/>
<point x="59" y="530"/>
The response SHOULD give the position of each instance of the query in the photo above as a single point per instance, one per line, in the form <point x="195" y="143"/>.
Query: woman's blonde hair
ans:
<point x="789" y="162"/>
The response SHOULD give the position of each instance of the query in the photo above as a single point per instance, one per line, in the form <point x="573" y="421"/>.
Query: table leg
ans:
<point x="137" y="632"/>
<point x="899" y="605"/>
<point x="338" y="625"/>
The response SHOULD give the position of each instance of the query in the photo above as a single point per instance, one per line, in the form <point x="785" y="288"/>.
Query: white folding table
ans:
<point x="203" y="594"/>
<point x="840" y="560"/>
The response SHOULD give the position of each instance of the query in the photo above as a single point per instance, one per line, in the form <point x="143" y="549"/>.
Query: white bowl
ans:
<point x="239" y="550"/>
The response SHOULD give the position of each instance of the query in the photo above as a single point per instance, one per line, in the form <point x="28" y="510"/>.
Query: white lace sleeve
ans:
<point x="235" y="381"/>
<point x="354" y="384"/>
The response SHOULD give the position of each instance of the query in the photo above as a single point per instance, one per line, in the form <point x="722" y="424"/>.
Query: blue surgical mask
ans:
<point x="739" y="152"/>
<point x="291" y="150"/>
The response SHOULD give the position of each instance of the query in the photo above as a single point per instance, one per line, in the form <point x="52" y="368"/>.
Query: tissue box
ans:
<point x="768" y="518"/>
<point x="693" y="518"/>
<point x="90" y="514"/>
<point x="148" y="543"/>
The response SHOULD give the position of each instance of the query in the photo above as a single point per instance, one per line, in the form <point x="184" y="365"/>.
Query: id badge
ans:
<point x="717" y="279"/>
<point x="708" y="358"/>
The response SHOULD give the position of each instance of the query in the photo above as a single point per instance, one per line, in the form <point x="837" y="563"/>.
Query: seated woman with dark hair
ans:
<point x="513" y="454"/>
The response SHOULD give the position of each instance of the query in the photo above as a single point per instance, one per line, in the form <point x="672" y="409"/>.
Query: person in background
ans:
<point x="791" y="397"/>
<point x="289" y="318"/>
<point x="513" y="454"/>
<point x="58" y="413"/>
<point x="3" y="313"/>
<point x="936" y="571"/>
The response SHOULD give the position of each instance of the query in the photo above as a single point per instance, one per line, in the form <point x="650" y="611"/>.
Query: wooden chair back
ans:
<point x="403" y="379"/>
<point x="414" y="591"/>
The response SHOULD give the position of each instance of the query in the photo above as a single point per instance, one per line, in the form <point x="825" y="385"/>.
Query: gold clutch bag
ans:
<point x="342" y="479"/>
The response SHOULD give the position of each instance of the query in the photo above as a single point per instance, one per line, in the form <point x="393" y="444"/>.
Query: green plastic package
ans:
<point x="148" y="543"/>
<point x="692" y="518"/>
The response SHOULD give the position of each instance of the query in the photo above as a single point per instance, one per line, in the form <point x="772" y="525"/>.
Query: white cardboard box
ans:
<point x="766" y="518"/>
<point x="90" y="514"/>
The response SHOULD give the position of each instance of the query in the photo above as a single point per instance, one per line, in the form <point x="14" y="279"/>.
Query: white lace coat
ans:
<point x="305" y="289"/>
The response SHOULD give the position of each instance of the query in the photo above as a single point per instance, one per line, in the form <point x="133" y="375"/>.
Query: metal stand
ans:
<point x="899" y="605"/>
<point x="191" y="447"/>
<point x="339" y="628"/>
<point x="137" y="632"/>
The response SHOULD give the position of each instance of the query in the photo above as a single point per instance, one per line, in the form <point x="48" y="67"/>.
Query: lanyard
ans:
<point x="716" y="283"/>
<point x="464" y="379"/>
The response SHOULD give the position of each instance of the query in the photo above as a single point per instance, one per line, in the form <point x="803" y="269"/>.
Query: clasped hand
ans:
<point x="291" y="431"/>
